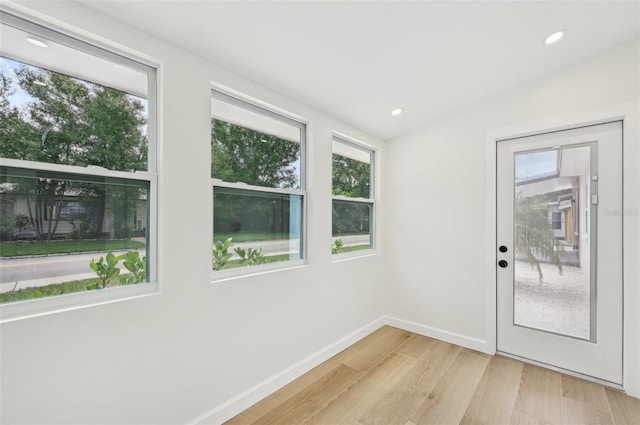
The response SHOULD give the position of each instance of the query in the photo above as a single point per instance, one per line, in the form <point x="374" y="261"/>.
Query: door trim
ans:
<point x="563" y="371"/>
<point x="629" y="114"/>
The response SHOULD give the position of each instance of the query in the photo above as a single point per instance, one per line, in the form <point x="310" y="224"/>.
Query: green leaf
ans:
<point x="130" y="266"/>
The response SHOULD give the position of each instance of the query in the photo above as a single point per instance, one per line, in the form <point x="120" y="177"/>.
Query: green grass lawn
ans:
<point x="249" y="237"/>
<point x="234" y="264"/>
<point x="17" y="249"/>
<point x="54" y="289"/>
<point x="353" y="248"/>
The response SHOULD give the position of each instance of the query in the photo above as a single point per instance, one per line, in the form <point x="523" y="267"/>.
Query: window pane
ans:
<point x="267" y="224"/>
<point x="53" y="225"/>
<point x="553" y="255"/>
<point x="253" y="148"/>
<point x="351" y="226"/>
<point x="351" y="177"/>
<point x="351" y="170"/>
<point x="352" y="221"/>
<point x="54" y="111"/>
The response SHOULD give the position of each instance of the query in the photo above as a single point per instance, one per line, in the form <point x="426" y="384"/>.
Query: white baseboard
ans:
<point x="442" y="335"/>
<point x="248" y="398"/>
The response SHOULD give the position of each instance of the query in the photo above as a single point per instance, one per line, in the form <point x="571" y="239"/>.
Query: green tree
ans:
<point x="350" y="218"/>
<point x="239" y="154"/>
<point x="23" y="138"/>
<point x="534" y="237"/>
<point x="15" y="131"/>
<point x="114" y="141"/>
<point x="72" y="122"/>
<point x="350" y="177"/>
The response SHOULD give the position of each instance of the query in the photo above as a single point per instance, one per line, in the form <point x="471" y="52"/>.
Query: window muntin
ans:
<point x="258" y="179"/>
<point x="77" y="155"/>
<point x="353" y="203"/>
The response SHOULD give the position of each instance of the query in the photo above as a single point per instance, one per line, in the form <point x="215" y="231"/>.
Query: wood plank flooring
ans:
<point x="395" y="377"/>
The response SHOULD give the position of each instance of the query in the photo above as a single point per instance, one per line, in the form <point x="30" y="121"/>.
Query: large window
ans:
<point x="353" y="204"/>
<point x="258" y="178"/>
<point x="77" y="168"/>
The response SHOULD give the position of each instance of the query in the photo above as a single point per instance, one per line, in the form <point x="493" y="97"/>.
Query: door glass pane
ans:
<point x="552" y="267"/>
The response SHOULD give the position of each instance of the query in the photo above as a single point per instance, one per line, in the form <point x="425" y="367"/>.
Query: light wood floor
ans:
<point x="397" y="377"/>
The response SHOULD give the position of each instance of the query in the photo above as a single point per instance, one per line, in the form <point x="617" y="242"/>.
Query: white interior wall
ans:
<point x="170" y="357"/>
<point x="437" y="203"/>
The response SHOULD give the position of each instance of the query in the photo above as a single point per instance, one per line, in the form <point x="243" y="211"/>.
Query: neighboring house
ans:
<point x="567" y="189"/>
<point x="71" y="213"/>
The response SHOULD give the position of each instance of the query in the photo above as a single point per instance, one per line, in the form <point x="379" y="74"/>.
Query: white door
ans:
<point x="559" y="253"/>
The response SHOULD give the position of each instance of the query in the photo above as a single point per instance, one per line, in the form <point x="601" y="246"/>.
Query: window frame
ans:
<point x="240" y="100"/>
<point x="48" y="305"/>
<point x="371" y="201"/>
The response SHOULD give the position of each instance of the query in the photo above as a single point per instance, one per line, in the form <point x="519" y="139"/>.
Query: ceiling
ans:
<point x="357" y="61"/>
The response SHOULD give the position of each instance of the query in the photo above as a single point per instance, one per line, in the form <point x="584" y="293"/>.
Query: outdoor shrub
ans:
<point x="22" y="221"/>
<point x="221" y="254"/>
<point x="251" y="255"/>
<point x="136" y="265"/>
<point x="337" y="246"/>
<point x="256" y="257"/>
<point x="105" y="270"/>
<point x="7" y="228"/>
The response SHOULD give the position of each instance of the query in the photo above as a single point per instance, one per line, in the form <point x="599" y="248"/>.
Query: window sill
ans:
<point x="20" y="310"/>
<point x="250" y="271"/>
<point x="348" y="256"/>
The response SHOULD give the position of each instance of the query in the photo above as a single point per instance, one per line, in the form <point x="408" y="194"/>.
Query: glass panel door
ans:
<point x="559" y="302"/>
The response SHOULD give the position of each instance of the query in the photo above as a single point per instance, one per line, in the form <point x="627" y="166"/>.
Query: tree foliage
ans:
<point x="350" y="177"/>
<point x="71" y="122"/>
<point x="534" y="237"/>
<point x="350" y="218"/>
<point x="15" y="131"/>
<point x="240" y="154"/>
<point x="82" y="124"/>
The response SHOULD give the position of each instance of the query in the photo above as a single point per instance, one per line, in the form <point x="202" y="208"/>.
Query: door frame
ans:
<point x="629" y="114"/>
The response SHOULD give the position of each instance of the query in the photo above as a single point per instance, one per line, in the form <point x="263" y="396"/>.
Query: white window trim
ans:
<point x="373" y="227"/>
<point x="44" y="306"/>
<point x="236" y="98"/>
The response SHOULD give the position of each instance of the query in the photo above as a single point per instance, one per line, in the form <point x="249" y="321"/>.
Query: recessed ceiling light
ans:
<point x="397" y="112"/>
<point x="37" y="42"/>
<point x="554" y="37"/>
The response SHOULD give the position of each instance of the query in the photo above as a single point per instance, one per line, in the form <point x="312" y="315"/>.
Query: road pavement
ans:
<point x="17" y="273"/>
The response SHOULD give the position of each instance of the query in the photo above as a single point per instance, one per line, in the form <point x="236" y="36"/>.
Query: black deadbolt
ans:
<point x="502" y="248"/>
<point x="503" y="263"/>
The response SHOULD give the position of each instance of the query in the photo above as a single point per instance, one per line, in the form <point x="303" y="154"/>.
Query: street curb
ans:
<point x="61" y="254"/>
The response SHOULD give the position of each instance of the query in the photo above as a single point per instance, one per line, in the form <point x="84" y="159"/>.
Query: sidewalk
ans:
<point x="14" y="286"/>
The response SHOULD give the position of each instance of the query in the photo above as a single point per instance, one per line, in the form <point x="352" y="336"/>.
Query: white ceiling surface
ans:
<point x="358" y="60"/>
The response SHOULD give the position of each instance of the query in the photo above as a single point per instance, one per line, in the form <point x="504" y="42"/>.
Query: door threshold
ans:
<point x="603" y="382"/>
